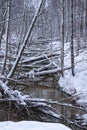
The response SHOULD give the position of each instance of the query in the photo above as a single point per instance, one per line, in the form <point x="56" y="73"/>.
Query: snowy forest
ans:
<point x="43" y="64"/>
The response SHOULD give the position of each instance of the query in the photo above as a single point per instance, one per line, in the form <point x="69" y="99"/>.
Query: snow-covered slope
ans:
<point x="31" y="125"/>
<point x="78" y="83"/>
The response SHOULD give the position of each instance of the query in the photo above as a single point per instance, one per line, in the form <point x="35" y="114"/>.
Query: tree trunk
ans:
<point x="11" y="73"/>
<point x="66" y="22"/>
<point x="72" y="47"/>
<point x="78" y="25"/>
<point x="62" y="49"/>
<point x="7" y="34"/>
<point x="84" y="21"/>
<point x="12" y="94"/>
<point x="3" y="14"/>
<point x="1" y="34"/>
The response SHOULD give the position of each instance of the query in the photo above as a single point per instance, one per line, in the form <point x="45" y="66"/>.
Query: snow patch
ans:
<point x="31" y="125"/>
<point x="78" y="83"/>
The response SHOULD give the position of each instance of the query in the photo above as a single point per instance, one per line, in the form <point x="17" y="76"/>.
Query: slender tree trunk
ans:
<point x="22" y="29"/>
<point x="3" y="13"/>
<point x="72" y="47"/>
<point x="84" y="21"/>
<point x="7" y="34"/>
<point x="78" y="25"/>
<point x="62" y="49"/>
<point x="11" y="73"/>
<point x="67" y="22"/>
<point x="1" y="34"/>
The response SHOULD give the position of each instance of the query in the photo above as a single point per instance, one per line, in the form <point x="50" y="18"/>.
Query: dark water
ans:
<point x="68" y="109"/>
<point x="64" y="106"/>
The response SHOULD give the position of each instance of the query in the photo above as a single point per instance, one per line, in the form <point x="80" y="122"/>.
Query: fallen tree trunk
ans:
<point x="13" y="94"/>
<point x="43" y="73"/>
<point x="26" y="107"/>
<point x="38" y="58"/>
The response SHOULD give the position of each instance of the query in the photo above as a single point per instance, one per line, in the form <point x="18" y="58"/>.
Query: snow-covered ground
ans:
<point x="31" y="125"/>
<point x="78" y="84"/>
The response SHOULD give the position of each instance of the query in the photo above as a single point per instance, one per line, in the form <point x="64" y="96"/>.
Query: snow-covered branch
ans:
<point x="13" y="94"/>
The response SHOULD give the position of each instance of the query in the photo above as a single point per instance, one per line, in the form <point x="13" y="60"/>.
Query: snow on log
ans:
<point x="41" y="57"/>
<point x="13" y="94"/>
<point x="43" y="73"/>
<point x="25" y="101"/>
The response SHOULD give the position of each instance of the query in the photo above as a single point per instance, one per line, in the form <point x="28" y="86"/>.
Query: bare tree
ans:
<point x="72" y="46"/>
<point x="84" y="20"/>
<point x="66" y="22"/>
<point x="7" y="34"/>
<point x="3" y="14"/>
<point x="62" y="49"/>
<point x="78" y="20"/>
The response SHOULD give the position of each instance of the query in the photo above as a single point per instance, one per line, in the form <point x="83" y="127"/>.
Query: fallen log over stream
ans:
<point x="13" y="94"/>
<point x="18" y="107"/>
<point x="21" y="104"/>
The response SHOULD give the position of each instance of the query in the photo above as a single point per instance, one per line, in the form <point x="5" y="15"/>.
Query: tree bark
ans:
<point x="78" y="20"/>
<point x="7" y="34"/>
<point x="62" y="49"/>
<point x="72" y="47"/>
<point x="84" y="21"/>
<point x="3" y="24"/>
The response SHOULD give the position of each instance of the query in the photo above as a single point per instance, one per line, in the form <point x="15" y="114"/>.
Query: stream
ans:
<point x="68" y="109"/>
